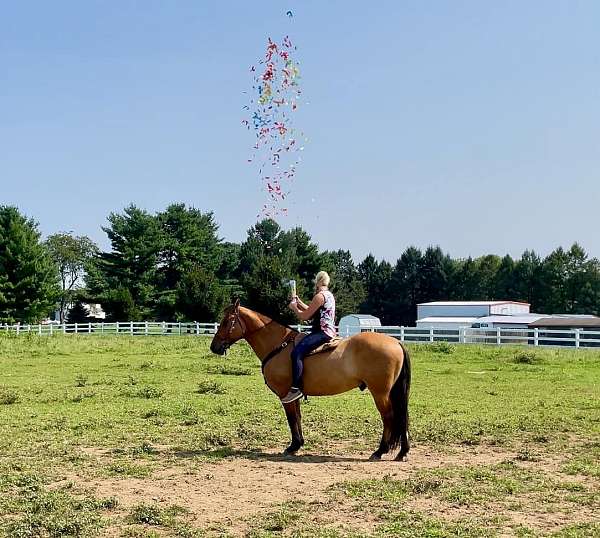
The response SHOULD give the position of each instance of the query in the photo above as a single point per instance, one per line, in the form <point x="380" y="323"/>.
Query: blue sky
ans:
<point x="472" y="125"/>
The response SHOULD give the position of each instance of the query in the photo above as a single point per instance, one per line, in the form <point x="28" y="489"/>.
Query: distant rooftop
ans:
<point x="361" y="316"/>
<point x="470" y="303"/>
<point x="448" y="319"/>
<point x="514" y="319"/>
<point x="567" y="322"/>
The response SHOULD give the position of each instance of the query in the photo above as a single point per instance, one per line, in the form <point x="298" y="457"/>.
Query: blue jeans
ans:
<point x="310" y="342"/>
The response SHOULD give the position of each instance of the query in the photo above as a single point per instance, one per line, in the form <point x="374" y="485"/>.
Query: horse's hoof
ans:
<point x="375" y="457"/>
<point x="291" y="451"/>
<point x="402" y="457"/>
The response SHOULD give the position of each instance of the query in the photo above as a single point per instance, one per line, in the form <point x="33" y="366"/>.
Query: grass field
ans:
<point x="145" y="437"/>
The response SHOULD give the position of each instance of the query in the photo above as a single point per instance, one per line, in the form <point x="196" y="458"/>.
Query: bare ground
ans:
<point x="226" y="495"/>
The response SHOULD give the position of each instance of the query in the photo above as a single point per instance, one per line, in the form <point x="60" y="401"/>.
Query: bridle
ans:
<point x="237" y="318"/>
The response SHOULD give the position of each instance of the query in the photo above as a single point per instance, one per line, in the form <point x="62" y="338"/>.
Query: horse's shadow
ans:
<point x="259" y="455"/>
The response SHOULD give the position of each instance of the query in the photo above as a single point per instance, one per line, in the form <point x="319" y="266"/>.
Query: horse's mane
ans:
<point x="275" y="319"/>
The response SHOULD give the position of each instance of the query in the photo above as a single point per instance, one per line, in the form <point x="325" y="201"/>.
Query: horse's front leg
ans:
<point x="294" y="417"/>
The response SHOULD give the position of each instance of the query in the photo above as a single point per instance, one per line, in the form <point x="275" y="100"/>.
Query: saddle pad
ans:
<point x="328" y="346"/>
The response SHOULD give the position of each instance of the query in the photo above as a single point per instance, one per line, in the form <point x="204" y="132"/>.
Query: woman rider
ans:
<point x="322" y="312"/>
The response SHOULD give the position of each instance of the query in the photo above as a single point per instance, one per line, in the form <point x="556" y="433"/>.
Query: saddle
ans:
<point x="327" y="346"/>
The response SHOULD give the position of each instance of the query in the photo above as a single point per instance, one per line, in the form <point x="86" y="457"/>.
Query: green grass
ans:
<point x="128" y="396"/>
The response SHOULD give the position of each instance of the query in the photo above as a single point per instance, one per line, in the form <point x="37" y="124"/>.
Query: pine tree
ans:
<point x="28" y="277"/>
<point x="131" y="265"/>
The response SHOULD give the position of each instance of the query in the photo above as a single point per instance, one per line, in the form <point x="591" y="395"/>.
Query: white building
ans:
<point x="457" y="314"/>
<point x="470" y="309"/>
<point x="356" y="323"/>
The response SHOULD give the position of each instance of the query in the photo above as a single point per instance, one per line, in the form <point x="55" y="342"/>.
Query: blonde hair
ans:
<point x="322" y="279"/>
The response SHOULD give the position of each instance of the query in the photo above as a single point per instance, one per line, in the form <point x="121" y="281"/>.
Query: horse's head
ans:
<point x="230" y="330"/>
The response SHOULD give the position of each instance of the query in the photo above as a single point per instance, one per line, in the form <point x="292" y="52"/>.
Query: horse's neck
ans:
<point x="265" y="335"/>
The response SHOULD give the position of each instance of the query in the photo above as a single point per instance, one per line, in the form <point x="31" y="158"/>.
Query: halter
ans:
<point x="245" y="335"/>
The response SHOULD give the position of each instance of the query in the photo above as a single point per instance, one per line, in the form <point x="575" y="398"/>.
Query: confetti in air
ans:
<point x="276" y="97"/>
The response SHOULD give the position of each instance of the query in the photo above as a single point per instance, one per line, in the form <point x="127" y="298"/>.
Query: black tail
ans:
<point x="399" y="396"/>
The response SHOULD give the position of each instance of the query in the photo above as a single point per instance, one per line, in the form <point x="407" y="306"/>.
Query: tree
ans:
<point x="345" y="282"/>
<point x="435" y="275"/>
<point x="554" y="281"/>
<point x="505" y="284"/>
<point x="28" y="277"/>
<point x="72" y="255"/>
<point x="269" y="258"/>
<point x="405" y="287"/>
<point x="487" y="271"/>
<point x="375" y="277"/>
<point x="200" y="296"/>
<point x="78" y="313"/>
<point x="132" y="264"/>
<point x="189" y="239"/>
<point x="465" y="283"/>
<point x="528" y="280"/>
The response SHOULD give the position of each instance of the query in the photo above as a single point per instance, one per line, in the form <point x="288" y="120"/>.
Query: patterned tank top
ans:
<point x="324" y="319"/>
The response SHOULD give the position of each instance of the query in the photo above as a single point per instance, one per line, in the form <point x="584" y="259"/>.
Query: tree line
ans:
<point x="172" y="265"/>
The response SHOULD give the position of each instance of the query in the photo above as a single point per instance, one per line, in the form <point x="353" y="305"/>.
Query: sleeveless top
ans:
<point x="324" y="319"/>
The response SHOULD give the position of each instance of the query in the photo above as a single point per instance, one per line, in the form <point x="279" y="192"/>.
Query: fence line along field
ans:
<point x="145" y="437"/>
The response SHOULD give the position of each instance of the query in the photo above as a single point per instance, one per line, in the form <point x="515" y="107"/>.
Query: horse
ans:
<point x="367" y="360"/>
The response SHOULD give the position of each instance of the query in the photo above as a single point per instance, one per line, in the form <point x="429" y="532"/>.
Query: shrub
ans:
<point x="8" y="397"/>
<point x="526" y="357"/>
<point x="210" y="387"/>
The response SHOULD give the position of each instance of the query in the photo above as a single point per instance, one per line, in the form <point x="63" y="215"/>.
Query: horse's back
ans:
<point x="370" y="358"/>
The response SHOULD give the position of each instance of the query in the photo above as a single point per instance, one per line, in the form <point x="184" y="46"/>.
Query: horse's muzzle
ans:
<point x="218" y="347"/>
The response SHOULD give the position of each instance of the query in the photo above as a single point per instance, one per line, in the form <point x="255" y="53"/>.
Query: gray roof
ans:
<point x="573" y="322"/>
<point x="517" y="319"/>
<point x="470" y="303"/>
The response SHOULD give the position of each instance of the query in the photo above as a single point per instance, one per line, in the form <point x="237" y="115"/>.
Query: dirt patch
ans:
<point x="228" y="493"/>
<point x="252" y="482"/>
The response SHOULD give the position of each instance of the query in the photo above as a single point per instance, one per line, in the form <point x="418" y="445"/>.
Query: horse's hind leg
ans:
<point x="384" y="405"/>
<point x="294" y="418"/>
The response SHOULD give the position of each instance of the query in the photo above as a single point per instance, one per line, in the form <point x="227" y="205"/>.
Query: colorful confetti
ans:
<point x="276" y="98"/>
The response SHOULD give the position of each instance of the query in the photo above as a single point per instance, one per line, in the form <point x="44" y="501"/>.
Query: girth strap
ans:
<point x="277" y="351"/>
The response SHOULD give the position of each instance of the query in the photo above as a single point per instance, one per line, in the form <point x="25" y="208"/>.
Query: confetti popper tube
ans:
<point x="292" y="284"/>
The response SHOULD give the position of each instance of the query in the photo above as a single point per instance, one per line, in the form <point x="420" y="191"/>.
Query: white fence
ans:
<point x="577" y="338"/>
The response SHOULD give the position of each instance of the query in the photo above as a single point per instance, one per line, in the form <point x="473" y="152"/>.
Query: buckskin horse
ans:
<point x="367" y="360"/>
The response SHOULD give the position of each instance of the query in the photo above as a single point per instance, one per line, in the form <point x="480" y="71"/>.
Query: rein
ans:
<point x="276" y="351"/>
<point x="272" y="354"/>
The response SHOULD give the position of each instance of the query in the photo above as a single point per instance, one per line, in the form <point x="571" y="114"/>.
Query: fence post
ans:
<point x="402" y="333"/>
<point x="51" y="329"/>
<point x="131" y="328"/>
<point x="146" y="328"/>
<point x="536" y="337"/>
<point x="76" y="329"/>
<point x="498" y="339"/>
<point x="64" y="327"/>
<point x="101" y="327"/>
<point x="216" y="328"/>
<point x="179" y="328"/>
<point x="197" y="328"/>
<point x="577" y="338"/>
<point x="40" y="329"/>
<point x="117" y="327"/>
<point x="89" y="327"/>
<point x="18" y="328"/>
<point x="431" y="334"/>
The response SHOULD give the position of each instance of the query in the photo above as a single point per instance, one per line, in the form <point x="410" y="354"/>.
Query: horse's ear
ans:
<point x="236" y="305"/>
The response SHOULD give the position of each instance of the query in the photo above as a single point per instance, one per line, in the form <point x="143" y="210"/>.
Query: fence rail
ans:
<point x="577" y="338"/>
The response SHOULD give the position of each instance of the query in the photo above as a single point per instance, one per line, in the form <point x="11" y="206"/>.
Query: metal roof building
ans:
<point x="470" y="309"/>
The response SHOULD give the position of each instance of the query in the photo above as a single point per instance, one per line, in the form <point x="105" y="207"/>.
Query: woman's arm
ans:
<point x="301" y="304"/>
<point x="305" y="315"/>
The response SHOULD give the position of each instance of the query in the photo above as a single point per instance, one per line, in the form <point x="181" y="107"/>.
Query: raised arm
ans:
<point x="309" y="312"/>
